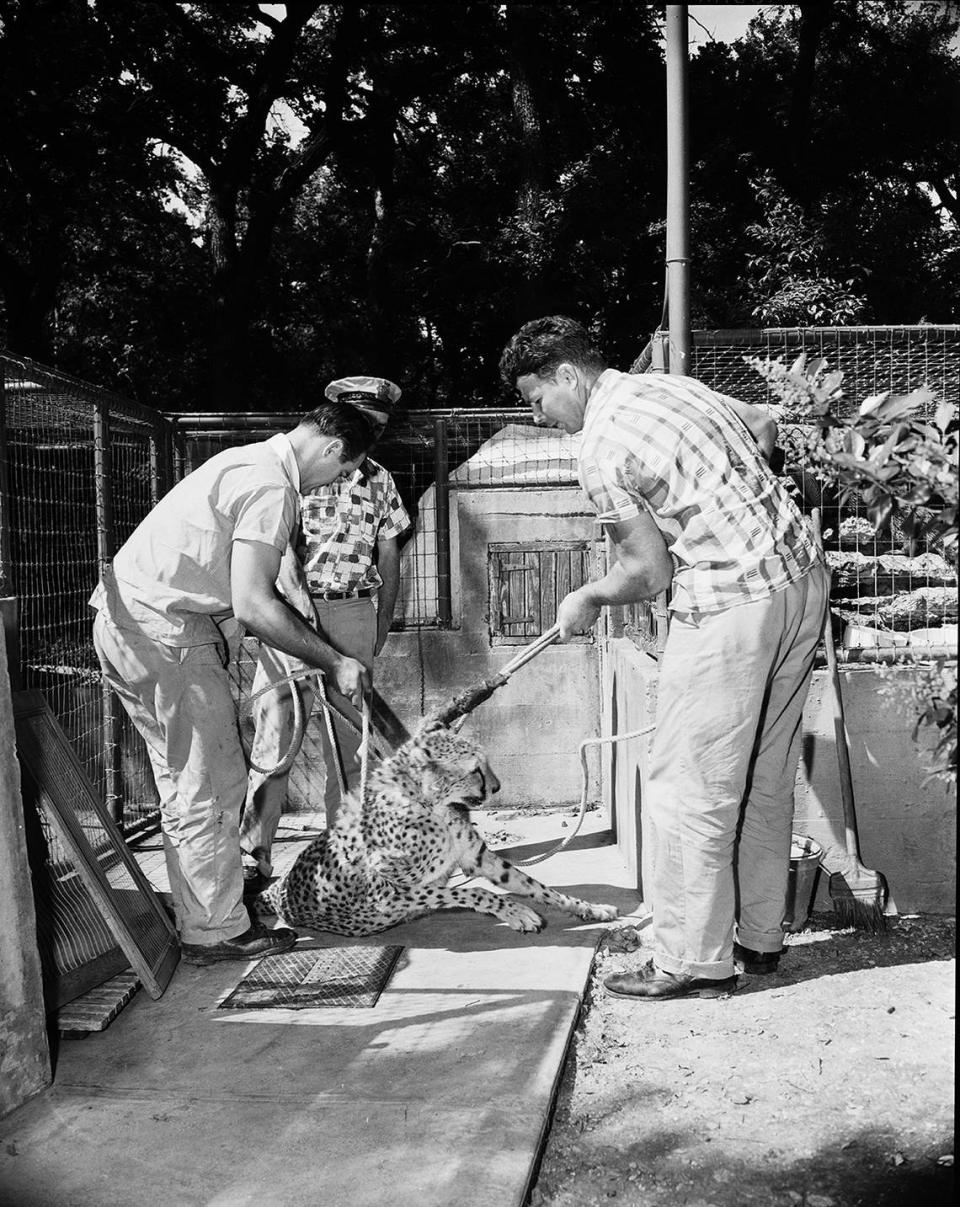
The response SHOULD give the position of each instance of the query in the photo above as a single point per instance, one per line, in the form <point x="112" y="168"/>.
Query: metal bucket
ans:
<point x="805" y="856"/>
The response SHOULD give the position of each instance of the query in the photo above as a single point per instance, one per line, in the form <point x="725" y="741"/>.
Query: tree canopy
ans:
<point x="221" y="205"/>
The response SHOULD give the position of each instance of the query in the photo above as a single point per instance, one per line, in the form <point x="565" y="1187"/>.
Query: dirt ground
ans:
<point x="827" y="1084"/>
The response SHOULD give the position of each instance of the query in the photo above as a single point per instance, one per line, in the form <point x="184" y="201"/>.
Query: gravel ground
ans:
<point x="828" y="1084"/>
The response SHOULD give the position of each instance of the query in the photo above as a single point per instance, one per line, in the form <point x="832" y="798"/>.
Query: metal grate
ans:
<point x="90" y="849"/>
<point x="331" y="976"/>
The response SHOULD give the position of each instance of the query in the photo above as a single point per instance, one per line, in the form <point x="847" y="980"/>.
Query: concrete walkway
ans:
<point x="440" y="1095"/>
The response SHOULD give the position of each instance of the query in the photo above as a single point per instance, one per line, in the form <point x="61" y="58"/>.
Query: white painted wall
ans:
<point x="532" y="727"/>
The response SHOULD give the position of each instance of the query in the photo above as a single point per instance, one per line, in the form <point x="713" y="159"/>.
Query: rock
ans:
<point x="925" y="608"/>
<point x="855" y="574"/>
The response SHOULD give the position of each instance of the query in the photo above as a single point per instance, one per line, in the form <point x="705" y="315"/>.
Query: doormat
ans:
<point x="329" y="976"/>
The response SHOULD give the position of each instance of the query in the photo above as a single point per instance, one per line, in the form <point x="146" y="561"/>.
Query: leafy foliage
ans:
<point x="888" y="454"/>
<point x="897" y="461"/>
<point x="788" y="275"/>
<point x="222" y="205"/>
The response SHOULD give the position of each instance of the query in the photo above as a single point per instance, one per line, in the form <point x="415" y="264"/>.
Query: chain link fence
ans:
<point x="890" y="593"/>
<point x="79" y="468"/>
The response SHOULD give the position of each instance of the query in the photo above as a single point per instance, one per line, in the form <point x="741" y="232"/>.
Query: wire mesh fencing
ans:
<point x="872" y="359"/>
<point x="892" y="593"/>
<point x="428" y="454"/>
<point x="80" y="467"/>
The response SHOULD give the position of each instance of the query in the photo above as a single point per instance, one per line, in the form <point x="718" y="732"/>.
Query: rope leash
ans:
<point x="364" y="747"/>
<point x="299" y="722"/>
<point x="616" y="737"/>
<point x="366" y="731"/>
<point x="332" y="736"/>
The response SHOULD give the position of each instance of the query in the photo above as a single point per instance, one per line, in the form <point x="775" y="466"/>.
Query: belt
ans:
<point x="360" y="593"/>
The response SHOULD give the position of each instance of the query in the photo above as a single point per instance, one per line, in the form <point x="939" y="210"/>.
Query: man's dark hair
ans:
<point x="344" y="423"/>
<point x="543" y="344"/>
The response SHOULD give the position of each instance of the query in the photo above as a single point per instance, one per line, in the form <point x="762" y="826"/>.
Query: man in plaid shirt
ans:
<point x="679" y="475"/>
<point x="345" y="573"/>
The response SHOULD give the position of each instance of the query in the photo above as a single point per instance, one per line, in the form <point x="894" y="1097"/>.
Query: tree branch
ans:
<point x="319" y="143"/>
<point x="266" y="86"/>
<point x="211" y="53"/>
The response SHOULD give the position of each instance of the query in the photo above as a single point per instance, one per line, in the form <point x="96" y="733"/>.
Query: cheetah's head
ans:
<point x="452" y="769"/>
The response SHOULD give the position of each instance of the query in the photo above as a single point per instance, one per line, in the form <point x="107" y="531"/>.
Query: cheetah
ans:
<point x="390" y="855"/>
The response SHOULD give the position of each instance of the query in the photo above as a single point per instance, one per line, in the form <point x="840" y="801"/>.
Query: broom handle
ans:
<point x="839" y="721"/>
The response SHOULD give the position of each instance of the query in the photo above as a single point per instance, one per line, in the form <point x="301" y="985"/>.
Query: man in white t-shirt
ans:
<point x="203" y="563"/>
<point x="348" y="562"/>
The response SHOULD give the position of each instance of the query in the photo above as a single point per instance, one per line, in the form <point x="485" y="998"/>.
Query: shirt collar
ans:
<point x="280" y="443"/>
<point x="601" y="387"/>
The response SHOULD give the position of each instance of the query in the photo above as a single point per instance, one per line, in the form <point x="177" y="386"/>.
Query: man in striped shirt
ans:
<point x="679" y="476"/>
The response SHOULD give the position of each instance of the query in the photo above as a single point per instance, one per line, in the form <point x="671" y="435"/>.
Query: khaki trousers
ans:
<point x="179" y="699"/>
<point x="350" y="626"/>
<point x="723" y="767"/>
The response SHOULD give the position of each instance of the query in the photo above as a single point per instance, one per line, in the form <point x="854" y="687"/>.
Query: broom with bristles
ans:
<point x="859" y="894"/>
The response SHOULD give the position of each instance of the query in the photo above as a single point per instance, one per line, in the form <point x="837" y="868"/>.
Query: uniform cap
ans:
<point x="374" y="392"/>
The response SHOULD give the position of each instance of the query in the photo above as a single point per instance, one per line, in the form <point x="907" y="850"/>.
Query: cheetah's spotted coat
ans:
<point x="390" y="855"/>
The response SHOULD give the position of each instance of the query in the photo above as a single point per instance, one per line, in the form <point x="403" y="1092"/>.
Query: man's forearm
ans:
<point x="618" y="586"/>
<point x="387" y="597"/>
<point x="278" y="626"/>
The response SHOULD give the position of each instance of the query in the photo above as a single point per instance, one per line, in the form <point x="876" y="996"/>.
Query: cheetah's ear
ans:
<point x="429" y="725"/>
<point x="416" y="754"/>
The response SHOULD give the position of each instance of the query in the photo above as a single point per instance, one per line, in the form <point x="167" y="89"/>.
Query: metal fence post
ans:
<point x="6" y="561"/>
<point x="9" y="610"/>
<point x="441" y="471"/>
<point x="156" y="466"/>
<point x="103" y="485"/>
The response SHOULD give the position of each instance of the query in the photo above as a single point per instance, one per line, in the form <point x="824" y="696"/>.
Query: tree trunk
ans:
<point x="521" y="32"/>
<point x="381" y="133"/>
<point x="29" y="297"/>
<point x="814" y="19"/>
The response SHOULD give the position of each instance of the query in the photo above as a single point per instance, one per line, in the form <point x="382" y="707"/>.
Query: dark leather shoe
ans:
<point x="651" y="983"/>
<point x="254" y="942"/>
<point x="756" y="963"/>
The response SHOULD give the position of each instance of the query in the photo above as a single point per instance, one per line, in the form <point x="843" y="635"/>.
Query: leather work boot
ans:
<point x="653" y="984"/>
<point x="256" y="941"/>
<point x="756" y="963"/>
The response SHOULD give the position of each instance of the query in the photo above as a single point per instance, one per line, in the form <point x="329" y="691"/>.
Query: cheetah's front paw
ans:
<point x="521" y="917"/>
<point x="598" y="913"/>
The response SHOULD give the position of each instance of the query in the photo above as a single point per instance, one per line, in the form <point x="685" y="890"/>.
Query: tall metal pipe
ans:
<point x="678" y="191"/>
<point x="106" y="546"/>
<point x="441" y="474"/>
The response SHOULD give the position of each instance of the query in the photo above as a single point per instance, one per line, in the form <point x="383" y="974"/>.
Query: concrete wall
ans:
<point x="907" y="828"/>
<point x="24" y="1055"/>
<point x="531" y="728"/>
